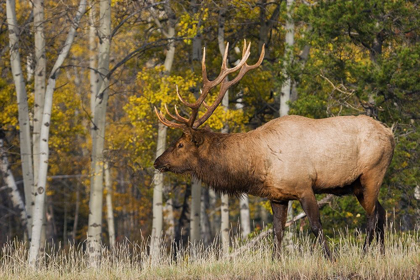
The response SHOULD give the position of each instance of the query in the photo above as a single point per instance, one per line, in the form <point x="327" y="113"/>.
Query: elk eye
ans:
<point x="180" y="145"/>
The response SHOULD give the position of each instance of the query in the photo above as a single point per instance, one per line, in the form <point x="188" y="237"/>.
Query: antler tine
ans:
<point x="224" y="60"/>
<point x="186" y="103"/>
<point x="178" y="117"/>
<point x="163" y="120"/>
<point x="185" y="120"/>
<point x="226" y="84"/>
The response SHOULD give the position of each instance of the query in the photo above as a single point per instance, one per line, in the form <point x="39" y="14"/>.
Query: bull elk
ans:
<point x="288" y="158"/>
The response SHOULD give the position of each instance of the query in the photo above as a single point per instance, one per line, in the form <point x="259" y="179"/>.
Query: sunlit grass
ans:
<point x="302" y="260"/>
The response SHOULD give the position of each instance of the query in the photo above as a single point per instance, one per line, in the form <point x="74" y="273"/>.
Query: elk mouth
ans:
<point x="161" y="168"/>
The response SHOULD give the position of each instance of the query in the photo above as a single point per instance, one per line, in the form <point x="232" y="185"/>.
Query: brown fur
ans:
<point x="292" y="158"/>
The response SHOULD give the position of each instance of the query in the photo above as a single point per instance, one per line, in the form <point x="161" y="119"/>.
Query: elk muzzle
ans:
<point x="160" y="165"/>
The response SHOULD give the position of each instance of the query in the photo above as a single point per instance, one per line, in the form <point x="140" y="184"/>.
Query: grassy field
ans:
<point x="302" y="260"/>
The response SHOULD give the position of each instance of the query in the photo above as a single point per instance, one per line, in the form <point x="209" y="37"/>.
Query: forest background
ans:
<point x="347" y="58"/>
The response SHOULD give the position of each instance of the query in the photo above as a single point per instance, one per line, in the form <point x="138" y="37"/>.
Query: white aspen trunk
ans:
<point x="244" y="200"/>
<point x="98" y="137"/>
<point x="10" y="182"/>
<point x="286" y="92"/>
<point x="290" y="41"/>
<point x="157" y="226"/>
<point x="225" y="198"/>
<point x="23" y="110"/>
<point x="245" y="219"/>
<point x="109" y="209"/>
<point x="170" y="54"/>
<point x="225" y="103"/>
<point x="169" y="59"/>
<point x="195" y="210"/>
<point x="225" y="224"/>
<point x="39" y="89"/>
<point x="93" y="76"/>
<point x="44" y="136"/>
<point x="169" y="219"/>
<point x="195" y="232"/>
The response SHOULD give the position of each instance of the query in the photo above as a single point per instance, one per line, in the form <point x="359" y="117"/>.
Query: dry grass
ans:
<point x="303" y="261"/>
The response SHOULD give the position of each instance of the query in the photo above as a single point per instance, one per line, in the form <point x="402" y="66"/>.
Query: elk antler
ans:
<point x="242" y="66"/>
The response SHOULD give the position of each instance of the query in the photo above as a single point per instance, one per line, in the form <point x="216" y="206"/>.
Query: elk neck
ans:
<point x="228" y="164"/>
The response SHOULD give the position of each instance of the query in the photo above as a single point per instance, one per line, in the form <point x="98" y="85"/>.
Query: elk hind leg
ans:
<point x="367" y="195"/>
<point x="279" y="222"/>
<point x="310" y="206"/>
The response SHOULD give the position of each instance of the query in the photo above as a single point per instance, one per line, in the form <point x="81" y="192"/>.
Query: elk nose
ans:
<point x="155" y="164"/>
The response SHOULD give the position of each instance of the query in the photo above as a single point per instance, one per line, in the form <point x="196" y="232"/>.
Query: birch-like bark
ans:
<point x="196" y="184"/>
<point x="168" y="218"/>
<point x="290" y="41"/>
<point x="98" y="137"/>
<point x="245" y="219"/>
<point x="225" y="198"/>
<point x="109" y="209"/>
<point x="93" y="76"/>
<point x="10" y="182"/>
<point x="225" y="224"/>
<point x="39" y="87"/>
<point x="286" y="91"/>
<point x="225" y="103"/>
<point x="157" y="226"/>
<point x="23" y="109"/>
<point x="44" y="136"/>
<point x="195" y="210"/>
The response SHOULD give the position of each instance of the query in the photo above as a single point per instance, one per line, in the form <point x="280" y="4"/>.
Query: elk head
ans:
<point x="184" y="155"/>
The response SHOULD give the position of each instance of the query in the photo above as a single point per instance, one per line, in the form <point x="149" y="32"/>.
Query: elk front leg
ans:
<point x="279" y="221"/>
<point x="310" y="206"/>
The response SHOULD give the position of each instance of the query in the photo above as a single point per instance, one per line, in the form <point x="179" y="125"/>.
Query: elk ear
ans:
<point x="194" y="136"/>
<point x="197" y="138"/>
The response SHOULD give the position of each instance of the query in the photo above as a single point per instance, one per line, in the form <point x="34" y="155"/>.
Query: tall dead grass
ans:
<point x="303" y="260"/>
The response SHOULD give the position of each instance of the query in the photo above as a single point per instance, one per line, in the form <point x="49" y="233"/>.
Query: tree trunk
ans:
<point x="98" y="136"/>
<point x="109" y="209"/>
<point x="93" y="76"/>
<point x="39" y="92"/>
<point x="245" y="219"/>
<point x="225" y="103"/>
<point x="225" y="198"/>
<point x="169" y="219"/>
<point x="23" y="110"/>
<point x="195" y="210"/>
<point x="286" y="89"/>
<point x="196" y="184"/>
<point x="10" y="183"/>
<point x="286" y="86"/>
<point x="157" y="226"/>
<point x="225" y="224"/>
<point x="44" y="136"/>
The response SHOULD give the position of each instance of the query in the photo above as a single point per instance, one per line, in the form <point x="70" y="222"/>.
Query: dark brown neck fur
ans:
<point x="224" y="164"/>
